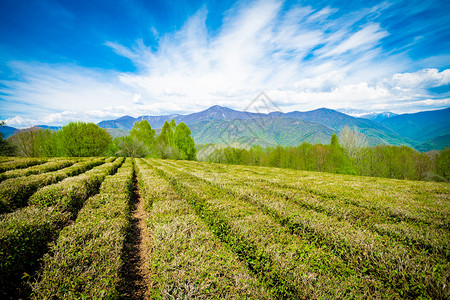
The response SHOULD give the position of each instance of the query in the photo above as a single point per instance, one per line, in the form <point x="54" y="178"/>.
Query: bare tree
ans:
<point x="353" y="142"/>
<point x="25" y="142"/>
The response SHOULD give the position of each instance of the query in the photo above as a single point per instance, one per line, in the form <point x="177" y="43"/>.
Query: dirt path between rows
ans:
<point x="136" y="271"/>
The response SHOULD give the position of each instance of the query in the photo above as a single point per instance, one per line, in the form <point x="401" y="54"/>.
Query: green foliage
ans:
<point x="443" y="163"/>
<point x="24" y="235"/>
<point x="164" y="142"/>
<point x="184" y="142"/>
<point x="142" y="132"/>
<point x="78" y="139"/>
<point x="335" y="141"/>
<point x="39" y="169"/>
<point x="399" y="162"/>
<point x="82" y="139"/>
<point x="175" y="142"/>
<point x="46" y="143"/>
<point x="70" y="194"/>
<point x="237" y="232"/>
<point x="325" y="158"/>
<point x="219" y="223"/>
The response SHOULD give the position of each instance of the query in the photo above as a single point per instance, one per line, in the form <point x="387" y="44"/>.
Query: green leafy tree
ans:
<point x="142" y="131"/>
<point x="443" y="163"/>
<point x="335" y="141"/>
<point x="82" y="139"/>
<point x="338" y="162"/>
<point x="164" y="141"/>
<point x="46" y="143"/>
<point x="171" y="132"/>
<point x="175" y="142"/>
<point x="183" y="142"/>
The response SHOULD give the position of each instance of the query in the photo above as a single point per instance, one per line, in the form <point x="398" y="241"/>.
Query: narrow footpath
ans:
<point x="136" y="270"/>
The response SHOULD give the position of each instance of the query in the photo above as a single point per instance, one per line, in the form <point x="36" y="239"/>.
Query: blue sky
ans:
<point x="96" y="60"/>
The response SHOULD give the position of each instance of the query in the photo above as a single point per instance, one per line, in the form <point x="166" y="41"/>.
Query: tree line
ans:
<point x="347" y="153"/>
<point x="79" y="139"/>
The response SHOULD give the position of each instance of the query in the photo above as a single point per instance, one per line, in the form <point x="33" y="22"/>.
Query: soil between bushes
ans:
<point x="135" y="273"/>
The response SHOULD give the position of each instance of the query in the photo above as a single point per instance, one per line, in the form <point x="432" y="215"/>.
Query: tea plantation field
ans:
<point x="116" y="228"/>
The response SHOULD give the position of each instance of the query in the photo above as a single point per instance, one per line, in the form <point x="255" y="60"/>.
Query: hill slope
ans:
<point x="437" y="143"/>
<point x="376" y="132"/>
<point x="421" y="126"/>
<point x="266" y="132"/>
<point x="333" y="120"/>
<point x="7" y="131"/>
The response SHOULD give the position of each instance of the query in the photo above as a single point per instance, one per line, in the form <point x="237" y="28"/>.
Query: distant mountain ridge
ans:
<point x="385" y="128"/>
<point x="215" y="112"/>
<point x="376" y="132"/>
<point x="421" y="126"/>
<point x="270" y="132"/>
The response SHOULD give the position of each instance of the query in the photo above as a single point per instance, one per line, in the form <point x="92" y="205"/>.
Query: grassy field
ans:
<point x="115" y="228"/>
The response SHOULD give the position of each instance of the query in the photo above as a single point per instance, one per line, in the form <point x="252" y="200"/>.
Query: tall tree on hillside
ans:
<point x="164" y="141"/>
<point x="443" y="163"/>
<point x="334" y="142"/>
<point x="175" y="142"/>
<point x="337" y="161"/>
<point x="142" y="131"/>
<point x="183" y="142"/>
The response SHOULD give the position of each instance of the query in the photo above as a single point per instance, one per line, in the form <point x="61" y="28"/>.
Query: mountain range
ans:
<point x="224" y="125"/>
<point x="424" y="130"/>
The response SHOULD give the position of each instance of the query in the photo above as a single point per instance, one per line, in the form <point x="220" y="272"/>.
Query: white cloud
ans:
<point x="426" y="78"/>
<point x="19" y="122"/>
<point x="301" y="57"/>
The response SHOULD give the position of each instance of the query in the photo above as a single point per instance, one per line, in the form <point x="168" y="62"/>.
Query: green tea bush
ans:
<point x="24" y="235"/>
<point x="70" y="194"/>
<point x="39" y="169"/>
<point x="85" y="260"/>
<point x="28" y="230"/>
<point x="14" y="192"/>
<point x="20" y="163"/>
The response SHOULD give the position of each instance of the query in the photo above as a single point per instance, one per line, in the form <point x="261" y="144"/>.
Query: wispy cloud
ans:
<point x="303" y="58"/>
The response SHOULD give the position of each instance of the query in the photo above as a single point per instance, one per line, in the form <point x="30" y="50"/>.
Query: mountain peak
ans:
<point x="217" y="108"/>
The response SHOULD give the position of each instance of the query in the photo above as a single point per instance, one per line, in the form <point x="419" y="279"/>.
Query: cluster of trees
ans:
<point x="79" y="139"/>
<point x="76" y="139"/>
<point x="347" y="153"/>
<point x="173" y="142"/>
